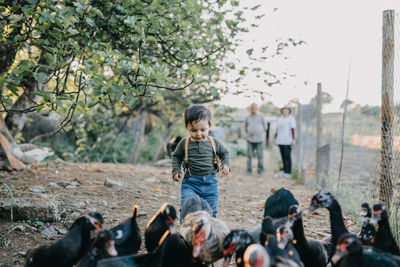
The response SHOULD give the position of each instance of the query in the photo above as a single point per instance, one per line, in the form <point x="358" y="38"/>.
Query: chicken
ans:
<point x="206" y="234"/>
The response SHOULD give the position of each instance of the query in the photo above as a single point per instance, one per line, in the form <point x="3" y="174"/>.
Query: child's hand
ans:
<point x="177" y="177"/>
<point x="224" y="169"/>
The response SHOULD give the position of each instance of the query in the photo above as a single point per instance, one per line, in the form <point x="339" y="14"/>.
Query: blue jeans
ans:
<point x="260" y="154"/>
<point x="205" y="186"/>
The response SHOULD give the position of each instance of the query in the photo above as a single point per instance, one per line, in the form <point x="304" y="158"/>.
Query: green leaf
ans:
<point x="130" y="21"/>
<point x="73" y="31"/>
<point x="150" y="38"/>
<point x="13" y="89"/>
<point x="45" y="16"/>
<point x="82" y="104"/>
<point x="40" y="77"/>
<point x="250" y="51"/>
<point x="90" y="22"/>
<point x="255" y="7"/>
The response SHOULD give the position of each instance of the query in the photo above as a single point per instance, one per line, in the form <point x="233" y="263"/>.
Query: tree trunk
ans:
<point x="170" y="126"/>
<point x="139" y="133"/>
<point x="15" y="121"/>
<point x="14" y="162"/>
<point x="7" y="56"/>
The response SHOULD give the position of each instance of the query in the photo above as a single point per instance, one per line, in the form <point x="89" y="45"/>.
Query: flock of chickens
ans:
<point x="279" y="240"/>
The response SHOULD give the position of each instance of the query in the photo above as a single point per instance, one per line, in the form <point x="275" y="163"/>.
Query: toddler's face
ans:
<point x="199" y="130"/>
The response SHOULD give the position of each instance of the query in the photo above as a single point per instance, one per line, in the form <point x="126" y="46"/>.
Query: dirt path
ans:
<point x="241" y="201"/>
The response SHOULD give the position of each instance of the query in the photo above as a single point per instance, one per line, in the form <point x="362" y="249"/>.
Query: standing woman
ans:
<point x="285" y="139"/>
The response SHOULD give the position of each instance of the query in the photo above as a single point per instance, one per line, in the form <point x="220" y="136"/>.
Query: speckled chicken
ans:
<point x="368" y="230"/>
<point x="205" y="234"/>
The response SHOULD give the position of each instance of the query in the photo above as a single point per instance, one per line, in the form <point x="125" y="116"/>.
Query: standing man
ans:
<point x="285" y="139"/>
<point x="255" y="129"/>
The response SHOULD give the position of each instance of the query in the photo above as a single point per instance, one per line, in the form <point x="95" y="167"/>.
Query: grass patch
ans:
<point x="4" y="185"/>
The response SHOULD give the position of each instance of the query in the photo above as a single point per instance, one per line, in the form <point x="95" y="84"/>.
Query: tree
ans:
<point x="88" y="57"/>
<point x="75" y="55"/>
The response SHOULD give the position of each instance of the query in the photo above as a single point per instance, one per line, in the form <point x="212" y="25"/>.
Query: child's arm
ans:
<point x="177" y="158"/>
<point x="223" y="154"/>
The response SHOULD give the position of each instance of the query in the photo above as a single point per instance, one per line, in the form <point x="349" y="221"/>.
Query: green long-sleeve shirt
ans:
<point x="201" y="156"/>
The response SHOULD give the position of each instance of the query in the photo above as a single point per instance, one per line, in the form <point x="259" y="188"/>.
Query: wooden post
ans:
<point x="387" y="108"/>
<point x="319" y="132"/>
<point x="299" y="146"/>
<point x="267" y="134"/>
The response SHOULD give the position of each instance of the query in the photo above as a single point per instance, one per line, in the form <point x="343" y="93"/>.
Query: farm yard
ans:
<point x="241" y="202"/>
<point x="114" y="109"/>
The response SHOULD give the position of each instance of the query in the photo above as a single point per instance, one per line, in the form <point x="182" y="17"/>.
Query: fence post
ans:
<point x="319" y="131"/>
<point x="299" y="146"/>
<point x="386" y="163"/>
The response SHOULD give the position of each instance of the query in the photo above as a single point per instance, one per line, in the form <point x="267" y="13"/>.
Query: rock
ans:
<point x="79" y="204"/>
<point x="105" y="203"/>
<point x="75" y="215"/>
<point x="63" y="183"/>
<point x="22" y="253"/>
<point x="20" y="228"/>
<point x="61" y="231"/>
<point x="112" y="183"/>
<point x="49" y="232"/>
<point x="37" y="189"/>
<point x="92" y="210"/>
<point x="28" y="209"/>
<point x="73" y="185"/>
<point x="54" y="185"/>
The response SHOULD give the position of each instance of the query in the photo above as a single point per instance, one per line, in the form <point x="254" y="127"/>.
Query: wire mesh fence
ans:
<point x="358" y="154"/>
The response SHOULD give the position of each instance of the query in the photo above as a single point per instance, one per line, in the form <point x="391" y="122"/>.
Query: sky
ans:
<point x="336" y="32"/>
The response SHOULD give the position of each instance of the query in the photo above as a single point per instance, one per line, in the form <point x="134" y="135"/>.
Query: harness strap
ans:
<point x="214" y="148"/>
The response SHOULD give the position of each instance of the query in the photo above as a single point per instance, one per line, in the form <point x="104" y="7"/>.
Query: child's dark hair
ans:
<point x="197" y="113"/>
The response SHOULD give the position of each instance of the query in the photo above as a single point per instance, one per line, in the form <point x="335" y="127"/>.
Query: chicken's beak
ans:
<point x="196" y="251"/>
<point x="172" y="229"/>
<point x="226" y="262"/>
<point x="337" y="256"/>
<point x="307" y="212"/>
<point x="111" y="250"/>
<point x="312" y="207"/>
<point x="363" y="213"/>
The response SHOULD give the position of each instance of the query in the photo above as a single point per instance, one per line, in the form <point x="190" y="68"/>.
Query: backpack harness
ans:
<point x="217" y="160"/>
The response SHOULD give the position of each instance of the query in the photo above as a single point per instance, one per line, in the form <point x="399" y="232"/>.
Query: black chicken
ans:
<point x="276" y="207"/>
<point x="236" y="242"/>
<point x="351" y="253"/>
<point x="383" y="238"/>
<point x="70" y="248"/>
<point x="103" y="246"/>
<point x="368" y="230"/>
<point x="278" y="244"/>
<point x="127" y="235"/>
<point x="312" y="252"/>
<point x="162" y="221"/>
<point x="324" y="199"/>
<point x="172" y="251"/>
<point x="285" y="243"/>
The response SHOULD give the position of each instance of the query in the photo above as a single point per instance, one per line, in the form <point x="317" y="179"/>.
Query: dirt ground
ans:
<point x="241" y="201"/>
